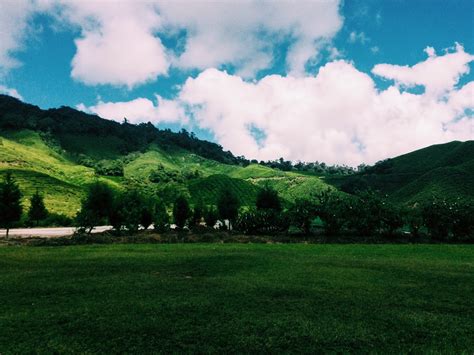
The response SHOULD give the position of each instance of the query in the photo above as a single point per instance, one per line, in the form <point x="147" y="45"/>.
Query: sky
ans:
<point x="341" y="82"/>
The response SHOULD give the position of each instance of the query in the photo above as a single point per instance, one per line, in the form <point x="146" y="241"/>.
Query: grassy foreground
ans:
<point x="237" y="298"/>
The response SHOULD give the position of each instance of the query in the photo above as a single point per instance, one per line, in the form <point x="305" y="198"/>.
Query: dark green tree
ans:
<point x="198" y="213"/>
<point x="302" y="213"/>
<point x="161" y="218"/>
<point x="10" y="203"/>
<point x="96" y="207"/>
<point x="37" y="211"/>
<point x="228" y="206"/>
<point x="181" y="212"/>
<point x="210" y="216"/>
<point x="268" y="198"/>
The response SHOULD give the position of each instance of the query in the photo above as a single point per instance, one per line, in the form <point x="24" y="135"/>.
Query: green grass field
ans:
<point x="212" y="298"/>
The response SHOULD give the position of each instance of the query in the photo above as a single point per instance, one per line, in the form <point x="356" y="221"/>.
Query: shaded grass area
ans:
<point x="237" y="298"/>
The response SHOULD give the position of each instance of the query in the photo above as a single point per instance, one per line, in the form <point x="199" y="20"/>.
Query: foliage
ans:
<point x="302" y="213"/>
<point x="96" y="207"/>
<point x="262" y="221"/>
<point x="37" y="210"/>
<point x="333" y="211"/>
<point x="181" y="212"/>
<point x="210" y="216"/>
<point x="10" y="202"/>
<point x="161" y="218"/>
<point x="268" y="198"/>
<point x="228" y="205"/>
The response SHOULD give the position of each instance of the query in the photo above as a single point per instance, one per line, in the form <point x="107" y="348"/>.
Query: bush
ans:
<point x="333" y="211"/>
<point x="266" y="221"/>
<point x="302" y="213"/>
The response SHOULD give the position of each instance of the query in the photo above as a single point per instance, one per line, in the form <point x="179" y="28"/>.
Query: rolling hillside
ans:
<point x="60" y="156"/>
<point x="61" y="151"/>
<point x="442" y="170"/>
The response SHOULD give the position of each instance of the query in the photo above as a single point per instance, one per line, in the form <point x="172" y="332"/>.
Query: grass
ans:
<point x="212" y="298"/>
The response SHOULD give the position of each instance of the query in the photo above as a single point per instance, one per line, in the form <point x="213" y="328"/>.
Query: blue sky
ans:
<point x="213" y="69"/>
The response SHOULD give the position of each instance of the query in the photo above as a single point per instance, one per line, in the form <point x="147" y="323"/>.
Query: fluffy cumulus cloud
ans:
<point x="13" y="25"/>
<point x="139" y="110"/>
<point x="119" y="41"/>
<point x="243" y="33"/>
<point x="117" y="44"/>
<point x="337" y="116"/>
<point x="438" y="74"/>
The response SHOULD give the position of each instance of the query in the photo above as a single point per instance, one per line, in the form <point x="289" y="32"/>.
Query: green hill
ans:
<point x="61" y="151"/>
<point x="442" y="170"/>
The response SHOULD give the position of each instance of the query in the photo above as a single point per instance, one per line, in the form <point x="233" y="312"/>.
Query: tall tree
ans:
<point x="181" y="212"/>
<point x="96" y="207"/>
<point x="228" y="206"/>
<point x="10" y="204"/>
<point x="37" y="210"/>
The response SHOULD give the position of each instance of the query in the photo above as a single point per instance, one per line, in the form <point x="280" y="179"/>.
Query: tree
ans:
<point x="228" y="206"/>
<point x="161" y="218"/>
<point x="10" y="204"/>
<point x="198" y="213"/>
<point x="302" y="213"/>
<point x="268" y="198"/>
<point x="37" y="210"/>
<point x="210" y="216"/>
<point x="96" y="207"/>
<point x="181" y="212"/>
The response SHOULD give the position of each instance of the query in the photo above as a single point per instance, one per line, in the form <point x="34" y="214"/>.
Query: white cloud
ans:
<point x="119" y="41"/>
<point x="438" y="74"/>
<point x="117" y="44"/>
<point x="328" y="117"/>
<point x="139" y="110"/>
<point x="13" y="27"/>
<point x="244" y="33"/>
<point x="11" y="92"/>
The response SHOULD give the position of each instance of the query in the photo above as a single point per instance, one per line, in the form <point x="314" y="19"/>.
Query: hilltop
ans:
<point x="61" y="151"/>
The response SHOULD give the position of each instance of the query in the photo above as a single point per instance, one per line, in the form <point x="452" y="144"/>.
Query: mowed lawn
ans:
<point x="237" y="298"/>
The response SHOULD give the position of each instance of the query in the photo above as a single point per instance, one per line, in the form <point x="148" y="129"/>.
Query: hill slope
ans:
<point x="61" y="151"/>
<point x="442" y="170"/>
<point x="61" y="164"/>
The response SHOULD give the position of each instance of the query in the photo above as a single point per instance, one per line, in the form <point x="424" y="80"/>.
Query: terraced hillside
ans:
<point x="443" y="170"/>
<point x="61" y="151"/>
<point x="38" y="163"/>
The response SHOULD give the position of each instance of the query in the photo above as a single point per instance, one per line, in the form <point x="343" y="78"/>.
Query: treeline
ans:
<point x="12" y="212"/>
<point x="16" y="115"/>
<point x="318" y="168"/>
<point x="330" y="213"/>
